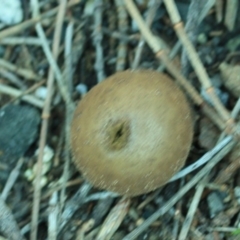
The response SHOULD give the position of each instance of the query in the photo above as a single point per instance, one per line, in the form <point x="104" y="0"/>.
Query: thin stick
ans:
<point x="53" y="217"/>
<point x="154" y="43"/>
<point x="46" y="111"/>
<point x="12" y="78"/>
<point x="27" y="91"/>
<point x="73" y="204"/>
<point x="68" y="72"/>
<point x="16" y="93"/>
<point x="195" y="60"/>
<point x="68" y="115"/>
<point x="228" y="172"/>
<point x="223" y="152"/>
<point x="28" y="74"/>
<point x="21" y="40"/>
<point x="11" y="179"/>
<point x="114" y="219"/>
<point x="54" y="66"/>
<point x="152" y="8"/>
<point x="8" y="225"/>
<point x="123" y="27"/>
<point x="204" y="159"/>
<point x="196" y="12"/>
<point x="192" y="210"/>
<point x="231" y="14"/>
<point x="219" y="10"/>
<point x="97" y="40"/>
<point x="236" y="109"/>
<point x="29" y="23"/>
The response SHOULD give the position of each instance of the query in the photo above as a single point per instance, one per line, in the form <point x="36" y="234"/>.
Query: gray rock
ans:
<point x="18" y="130"/>
<point x="215" y="204"/>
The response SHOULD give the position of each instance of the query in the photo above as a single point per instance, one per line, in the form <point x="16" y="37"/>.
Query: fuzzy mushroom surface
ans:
<point x="132" y="132"/>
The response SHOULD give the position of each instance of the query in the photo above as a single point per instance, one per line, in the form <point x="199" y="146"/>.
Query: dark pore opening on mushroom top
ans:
<point x="117" y="134"/>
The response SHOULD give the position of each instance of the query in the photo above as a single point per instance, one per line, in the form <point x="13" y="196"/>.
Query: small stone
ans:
<point x="29" y="175"/>
<point x="11" y="12"/>
<point x="41" y="92"/>
<point x="237" y="194"/>
<point x="202" y="38"/>
<point x="208" y="134"/>
<point x="19" y="126"/>
<point x="48" y="154"/>
<point x="81" y="89"/>
<point x="231" y="78"/>
<point x="215" y="204"/>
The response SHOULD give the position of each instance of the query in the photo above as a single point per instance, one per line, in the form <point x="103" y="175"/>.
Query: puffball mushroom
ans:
<point x="132" y="132"/>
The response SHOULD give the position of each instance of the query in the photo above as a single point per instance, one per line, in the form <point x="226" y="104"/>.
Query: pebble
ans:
<point x="11" y="12"/>
<point x="215" y="204"/>
<point x="19" y="127"/>
<point x="237" y="194"/>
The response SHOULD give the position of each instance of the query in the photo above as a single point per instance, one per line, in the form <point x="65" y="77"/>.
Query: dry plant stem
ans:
<point x="178" y="214"/>
<point x="197" y="99"/>
<point x="101" y="209"/>
<point x="97" y="41"/>
<point x="149" y="199"/>
<point x="56" y="70"/>
<point x="180" y="79"/>
<point x="225" y="229"/>
<point x="174" y="51"/>
<point x="228" y="173"/>
<point x="117" y="35"/>
<point x="16" y="93"/>
<point x="67" y="156"/>
<point x="92" y="234"/>
<point x="153" y="6"/>
<point x="78" y="47"/>
<point x="59" y="187"/>
<point x="213" y="116"/>
<point x="231" y="14"/>
<point x="13" y="79"/>
<point x="68" y="72"/>
<point x="58" y="150"/>
<point x="195" y="60"/>
<point x="73" y="204"/>
<point x="8" y="225"/>
<point x="123" y="27"/>
<point x="68" y="116"/>
<point x="53" y="210"/>
<point x="198" y="176"/>
<point x="45" y="114"/>
<point x="114" y="219"/>
<point x="28" y="74"/>
<point x="2" y="238"/>
<point x="31" y="89"/>
<point x="101" y="195"/>
<point x="37" y="186"/>
<point x="234" y="114"/>
<point x="203" y="160"/>
<point x="28" y="23"/>
<point x="20" y="40"/>
<point x="196" y="12"/>
<point x="192" y="210"/>
<point x="236" y="109"/>
<point x="154" y="43"/>
<point x="219" y="10"/>
<point x="11" y="179"/>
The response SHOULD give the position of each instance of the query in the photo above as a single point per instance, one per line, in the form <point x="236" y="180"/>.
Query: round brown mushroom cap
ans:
<point x="132" y="132"/>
